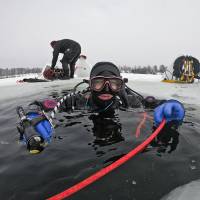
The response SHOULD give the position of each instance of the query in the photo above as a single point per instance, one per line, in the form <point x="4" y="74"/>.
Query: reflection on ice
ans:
<point x="190" y="191"/>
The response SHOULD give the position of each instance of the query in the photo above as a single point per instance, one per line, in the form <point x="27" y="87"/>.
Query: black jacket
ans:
<point x="65" y="46"/>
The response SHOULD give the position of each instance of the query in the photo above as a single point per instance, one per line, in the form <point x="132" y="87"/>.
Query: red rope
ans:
<point x="141" y="124"/>
<point x="68" y="192"/>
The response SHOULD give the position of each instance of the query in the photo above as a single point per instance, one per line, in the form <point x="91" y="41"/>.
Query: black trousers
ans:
<point x="69" y="61"/>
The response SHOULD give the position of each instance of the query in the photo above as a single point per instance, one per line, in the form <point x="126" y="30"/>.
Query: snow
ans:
<point x="152" y="85"/>
<point x="146" y="84"/>
<point x="82" y="68"/>
<point x="13" y="80"/>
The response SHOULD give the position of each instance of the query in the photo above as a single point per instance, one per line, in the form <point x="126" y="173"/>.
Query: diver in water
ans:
<point x="107" y="131"/>
<point x="167" y="140"/>
<point x="70" y="50"/>
<point x="107" y="92"/>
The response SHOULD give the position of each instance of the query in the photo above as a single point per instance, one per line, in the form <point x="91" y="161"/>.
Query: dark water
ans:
<point x="78" y="150"/>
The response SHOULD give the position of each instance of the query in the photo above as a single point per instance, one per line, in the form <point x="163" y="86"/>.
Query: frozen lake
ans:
<point x="74" y="155"/>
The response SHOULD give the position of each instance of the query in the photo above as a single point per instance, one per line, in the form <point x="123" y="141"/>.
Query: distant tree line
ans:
<point x="12" y="72"/>
<point x="143" y="69"/>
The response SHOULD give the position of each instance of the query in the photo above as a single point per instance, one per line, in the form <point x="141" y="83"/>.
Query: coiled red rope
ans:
<point x="68" y="192"/>
<point x="141" y="124"/>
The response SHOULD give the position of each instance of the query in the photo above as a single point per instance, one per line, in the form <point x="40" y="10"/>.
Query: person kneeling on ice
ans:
<point x="71" y="51"/>
<point x="107" y="92"/>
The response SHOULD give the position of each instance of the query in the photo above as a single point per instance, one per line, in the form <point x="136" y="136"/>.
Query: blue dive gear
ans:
<point x="171" y="110"/>
<point x="34" y="129"/>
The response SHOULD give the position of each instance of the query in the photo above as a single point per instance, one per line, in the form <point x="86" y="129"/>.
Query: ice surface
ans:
<point x="190" y="191"/>
<point x="146" y="84"/>
<point x="142" y="83"/>
<point x="13" y="80"/>
<point x="152" y="85"/>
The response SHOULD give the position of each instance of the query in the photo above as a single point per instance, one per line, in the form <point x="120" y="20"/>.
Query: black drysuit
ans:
<point x="104" y="120"/>
<point x="106" y="129"/>
<point x="71" y="51"/>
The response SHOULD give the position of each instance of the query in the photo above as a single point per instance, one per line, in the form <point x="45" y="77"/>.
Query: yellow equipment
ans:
<point x="186" y="69"/>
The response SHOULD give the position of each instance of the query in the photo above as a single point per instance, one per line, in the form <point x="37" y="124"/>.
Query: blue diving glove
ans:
<point x="171" y="110"/>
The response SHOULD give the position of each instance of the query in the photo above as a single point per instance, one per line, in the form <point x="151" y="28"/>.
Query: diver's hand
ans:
<point x="171" y="110"/>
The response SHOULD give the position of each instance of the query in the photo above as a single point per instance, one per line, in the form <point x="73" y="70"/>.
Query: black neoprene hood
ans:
<point x="102" y="68"/>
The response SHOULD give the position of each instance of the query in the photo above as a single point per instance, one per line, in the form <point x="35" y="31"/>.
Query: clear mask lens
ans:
<point x="98" y="83"/>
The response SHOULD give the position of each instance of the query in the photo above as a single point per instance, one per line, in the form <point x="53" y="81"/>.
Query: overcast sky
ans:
<point x="131" y="32"/>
